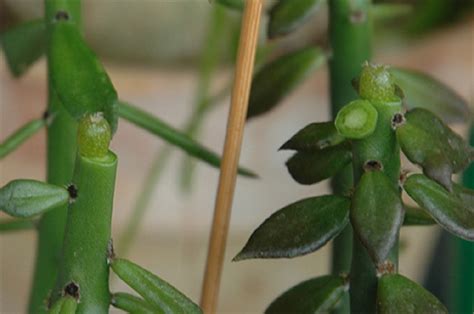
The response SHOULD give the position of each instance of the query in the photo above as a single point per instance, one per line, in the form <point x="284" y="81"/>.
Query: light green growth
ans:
<point x="93" y="136"/>
<point x="356" y="120"/>
<point x="376" y="84"/>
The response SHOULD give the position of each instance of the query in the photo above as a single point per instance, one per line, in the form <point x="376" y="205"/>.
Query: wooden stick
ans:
<point x="233" y="141"/>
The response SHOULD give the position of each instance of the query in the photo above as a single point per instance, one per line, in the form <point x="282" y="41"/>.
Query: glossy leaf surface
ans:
<point x="27" y="198"/>
<point x="160" y="294"/>
<point x="312" y="167"/>
<point x="280" y="77"/>
<point x="23" y="45"/>
<point x="315" y="136"/>
<point x="78" y="77"/>
<point x="317" y="295"/>
<point x="131" y="304"/>
<point x="428" y="142"/>
<point x="417" y="217"/>
<point x="454" y="211"/>
<point x="424" y="91"/>
<point x="298" y="229"/>
<point x="286" y="16"/>
<point x="173" y="136"/>
<point x="398" y="294"/>
<point x="377" y="214"/>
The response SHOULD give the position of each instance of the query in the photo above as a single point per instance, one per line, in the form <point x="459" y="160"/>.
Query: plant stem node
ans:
<point x="398" y="120"/>
<point x="373" y="165"/>
<point x="384" y="268"/>
<point x="61" y="16"/>
<point x="72" y="289"/>
<point x="73" y="192"/>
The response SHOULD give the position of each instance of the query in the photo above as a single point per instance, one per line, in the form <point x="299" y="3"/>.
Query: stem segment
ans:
<point x="61" y="149"/>
<point x="381" y="146"/>
<point x="87" y="240"/>
<point x="350" y="44"/>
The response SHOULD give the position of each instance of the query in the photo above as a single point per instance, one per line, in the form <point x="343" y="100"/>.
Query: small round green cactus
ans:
<point x="356" y="120"/>
<point x="94" y="135"/>
<point x="376" y="84"/>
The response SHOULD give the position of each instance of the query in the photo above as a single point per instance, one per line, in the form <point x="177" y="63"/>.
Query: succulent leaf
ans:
<point x="315" y="136"/>
<point x="312" y="167"/>
<point x="398" y="294"/>
<point x="454" y="211"/>
<point x="298" y="229"/>
<point x="317" y="295"/>
<point x="280" y="77"/>
<point x="376" y="84"/>
<point x="377" y="214"/>
<point x="287" y="16"/>
<point x="356" y="120"/>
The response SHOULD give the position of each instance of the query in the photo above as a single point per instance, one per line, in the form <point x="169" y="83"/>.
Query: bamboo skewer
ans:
<point x="230" y="159"/>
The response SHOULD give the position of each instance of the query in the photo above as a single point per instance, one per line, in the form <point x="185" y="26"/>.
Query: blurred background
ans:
<point x="151" y="49"/>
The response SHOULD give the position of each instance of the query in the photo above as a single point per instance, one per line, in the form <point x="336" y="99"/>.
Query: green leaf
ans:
<point x="7" y="225"/>
<point x="173" y="136"/>
<point x="398" y="294"/>
<point x="131" y="304"/>
<point x="279" y="78"/>
<point x="357" y="119"/>
<point x="424" y="91"/>
<point x="23" y="45"/>
<point x="377" y="214"/>
<point x="453" y="211"/>
<point x="428" y="142"/>
<point x="232" y="4"/>
<point x="20" y="136"/>
<point x="317" y="295"/>
<point x="298" y="229"/>
<point x="27" y="198"/>
<point x="417" y="217"/>
<point x="312" y="167"/>
<point x="78" y="77"/>
<point x="286" y="16"/>
<point x="160" y="294"/>
<point x="315" y="136"/>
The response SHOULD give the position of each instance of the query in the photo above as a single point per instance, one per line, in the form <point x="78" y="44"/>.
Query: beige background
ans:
<point x="172" y="242"/>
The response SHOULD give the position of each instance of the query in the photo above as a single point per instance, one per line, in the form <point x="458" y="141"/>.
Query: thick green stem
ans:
<point x="350" y="46"/>
<point x="84" y="271"/>
<point x="61" y="149"/>
<point x="381" y="146"/>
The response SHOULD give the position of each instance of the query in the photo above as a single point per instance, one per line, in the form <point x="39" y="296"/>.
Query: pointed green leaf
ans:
<point x="317" y="295"/>
<point x="377" y="214"/>
<point x="424" y="91"/>
<point x="357" y="119"/>
<point x="428" y="142"/>
<point x="173" y="136"/>
<point x="232" y="4"/>
<point x="397" y="294"/>
<point x="280" y="77"/>
<point x="417" y="217"/>
<point x="26" y="198"/>
<point x="160" y="294"/>
<point x="23" y="45"/>
<point x="286" y="16"/>
<point x="78" y="77"/>
<point x="20" y="136"/>
<point x="312" y="167"/>
<point x="298" y="229"/>
<point x="315" y="136"/>
<point x="454" y="211"/>
<point x="131" y="304"/>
